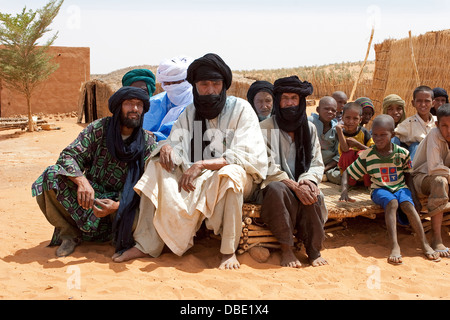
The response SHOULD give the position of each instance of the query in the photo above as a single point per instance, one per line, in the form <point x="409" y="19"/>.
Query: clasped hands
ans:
<point x="305" y="190"/>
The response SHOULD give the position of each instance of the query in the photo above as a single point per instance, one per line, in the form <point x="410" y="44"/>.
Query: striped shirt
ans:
<point x="385" y="172"/>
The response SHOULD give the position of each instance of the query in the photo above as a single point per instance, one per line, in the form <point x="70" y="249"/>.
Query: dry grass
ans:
<point x="325" y="79"/>
<point x="395" y="70"/>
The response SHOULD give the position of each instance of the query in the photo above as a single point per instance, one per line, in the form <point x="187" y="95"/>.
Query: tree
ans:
<point x="23" y="63"/>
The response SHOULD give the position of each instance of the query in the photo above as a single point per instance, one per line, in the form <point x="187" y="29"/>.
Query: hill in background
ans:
<point x="331" y="74"/>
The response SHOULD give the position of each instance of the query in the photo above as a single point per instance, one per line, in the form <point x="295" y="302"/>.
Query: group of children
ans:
<point x="399" y="159"/>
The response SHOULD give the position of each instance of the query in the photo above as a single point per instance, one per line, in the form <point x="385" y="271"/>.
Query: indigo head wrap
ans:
<point x="130" y="151"/>
<point x="294" y="119"/>
<point x="208" y="67"/>
<point x="256" y="87"/>
<point x="140" y="75"/>
<point x="439" y="92"/>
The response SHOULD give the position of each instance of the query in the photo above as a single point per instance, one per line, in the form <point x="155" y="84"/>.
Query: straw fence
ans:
<point x="396" y="61"/>
<point x="400" y="66"/>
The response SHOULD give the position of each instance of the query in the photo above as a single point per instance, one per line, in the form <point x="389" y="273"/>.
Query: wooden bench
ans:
<point x="256" y="233"/>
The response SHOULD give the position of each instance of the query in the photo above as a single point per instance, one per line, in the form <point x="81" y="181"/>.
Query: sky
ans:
<point x="247" y="34"/>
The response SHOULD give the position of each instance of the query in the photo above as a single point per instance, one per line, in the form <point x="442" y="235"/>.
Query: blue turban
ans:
<point x="439" y="92"/>
<point x="140" y="75"/>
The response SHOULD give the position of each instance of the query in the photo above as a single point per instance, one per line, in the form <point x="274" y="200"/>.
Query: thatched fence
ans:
<point x="395" y="68"/>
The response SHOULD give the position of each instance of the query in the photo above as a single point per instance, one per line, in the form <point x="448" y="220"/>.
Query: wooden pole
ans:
<point x="363" y="65"/>
<point x="414" y="59"/>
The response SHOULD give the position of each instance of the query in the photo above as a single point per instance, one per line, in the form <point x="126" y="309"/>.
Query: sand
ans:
<point x="30" y="270"/>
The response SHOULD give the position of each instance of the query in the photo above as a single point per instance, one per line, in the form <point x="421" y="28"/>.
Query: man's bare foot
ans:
<point x="132" y="253"/>
<point x="288" y="258"/>
<point x="319" y="262"/>
<point x="229" y="261"/>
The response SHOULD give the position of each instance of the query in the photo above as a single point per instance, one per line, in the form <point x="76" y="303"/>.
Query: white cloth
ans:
<point x="173" y="216"/>
<point x="432" y="158"/>
<point x="180" y="94"/>
<point x="414" y="129"/>
<point x="174" y="69"/>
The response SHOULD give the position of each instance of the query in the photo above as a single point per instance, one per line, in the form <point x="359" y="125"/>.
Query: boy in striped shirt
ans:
<point x="389" y="167"/>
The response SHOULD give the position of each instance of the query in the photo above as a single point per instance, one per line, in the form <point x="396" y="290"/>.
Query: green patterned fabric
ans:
<point x="87" y="155"/>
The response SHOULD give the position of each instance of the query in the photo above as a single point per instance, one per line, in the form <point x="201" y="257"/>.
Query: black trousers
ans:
<point x="283" y="212"/>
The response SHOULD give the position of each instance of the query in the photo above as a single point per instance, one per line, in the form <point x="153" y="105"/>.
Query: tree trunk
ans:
<point x="30" y="117"/>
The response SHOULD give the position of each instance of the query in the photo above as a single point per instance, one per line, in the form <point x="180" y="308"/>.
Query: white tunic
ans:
<point x="176" y="216"/>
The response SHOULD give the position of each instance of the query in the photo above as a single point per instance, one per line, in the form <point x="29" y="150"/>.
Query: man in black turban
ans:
<point x="213" y="159"/>
<point x="291" y="197"/>
<point x="88" y="194"/>
<point x="260" y="96"/>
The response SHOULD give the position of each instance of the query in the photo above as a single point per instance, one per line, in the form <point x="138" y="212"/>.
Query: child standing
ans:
<point x="415" y="128"/>
<point x="353" y="139"/>
<point x="431" y="174"/>
<point x="325" y="123"/>
<point x="389" y="167"/>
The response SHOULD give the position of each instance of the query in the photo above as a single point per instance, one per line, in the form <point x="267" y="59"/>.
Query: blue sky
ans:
<point x="247" y="34"/>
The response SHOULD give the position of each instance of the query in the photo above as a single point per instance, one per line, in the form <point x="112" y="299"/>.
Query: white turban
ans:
<point x="174" y="69"/>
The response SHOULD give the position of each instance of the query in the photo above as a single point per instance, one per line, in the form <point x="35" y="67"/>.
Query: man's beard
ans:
<point x="129" y="122"/>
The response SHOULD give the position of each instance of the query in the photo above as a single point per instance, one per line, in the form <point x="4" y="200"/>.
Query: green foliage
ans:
<point x="23" y="62"/>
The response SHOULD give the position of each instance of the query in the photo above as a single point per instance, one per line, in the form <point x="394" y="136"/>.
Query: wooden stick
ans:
<point x="363" y="65"/>
<point x="414" y="59"/>
<point x="261" y="239"/>
<point x="255" y="227"/>
<point x="258" y="233"/>
<point x="335" y="229"/>
<point x="248" y="221"/>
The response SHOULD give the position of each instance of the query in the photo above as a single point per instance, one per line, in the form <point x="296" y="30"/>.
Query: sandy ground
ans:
<point x="29" y="269"/>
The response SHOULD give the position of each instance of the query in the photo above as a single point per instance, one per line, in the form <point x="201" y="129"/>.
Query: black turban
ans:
<point x="439" y="92"/>
<point x="294" y="119"/>
<point x="256" y="87"/>
<point x="208" y="67"/>
<point x="130" y="151"/>
<point x="127" y="93"/>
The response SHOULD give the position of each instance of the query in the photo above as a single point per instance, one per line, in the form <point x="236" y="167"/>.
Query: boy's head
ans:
<point x="351" y="116"/>
<point x="394" y="106"/>
<point x="423" y="100"/>
<point x="368" y="110"/>
<point x="382" y="131"/>
<point x="443" y="121"/>
<point x="341" y="100"/>
<point x="327" y="109"/>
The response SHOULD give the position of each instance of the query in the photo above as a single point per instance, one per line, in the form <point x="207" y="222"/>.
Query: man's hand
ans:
<point x="165" y="158"/>
<point x="105" y="207"/>
<point x="188" y="177"/>
<point x="305" y="190"/>
<point x="85" y="192"/>
<point x="314" y="188"/>
<point x="306" y="194"/>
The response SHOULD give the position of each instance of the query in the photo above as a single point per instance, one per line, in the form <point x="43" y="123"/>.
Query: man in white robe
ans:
<point x="213" y="160"/>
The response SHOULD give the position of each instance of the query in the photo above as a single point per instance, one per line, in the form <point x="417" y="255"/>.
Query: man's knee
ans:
<point x="275" y="189"/>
